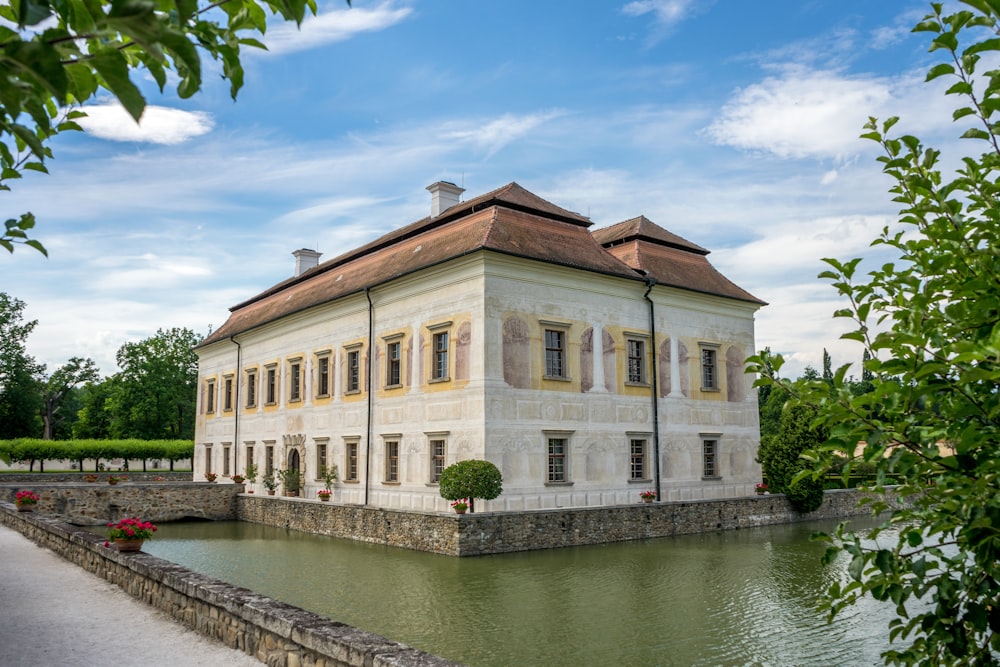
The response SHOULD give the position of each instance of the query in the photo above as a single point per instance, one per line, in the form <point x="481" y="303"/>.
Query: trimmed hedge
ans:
<point x="29" y="450"/>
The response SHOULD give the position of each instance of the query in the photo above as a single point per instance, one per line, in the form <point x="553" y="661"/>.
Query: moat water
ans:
<point x="747" y="597"/>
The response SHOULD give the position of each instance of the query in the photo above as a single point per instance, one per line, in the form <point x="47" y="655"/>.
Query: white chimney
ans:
<point x="305" y="259"/>
<point x="444" y="195"/>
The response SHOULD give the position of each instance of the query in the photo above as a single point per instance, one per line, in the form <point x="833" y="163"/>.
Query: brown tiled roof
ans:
<point x="667" y="258"/>
<point x="642" y="228"/>
<point x="510" y="220"/>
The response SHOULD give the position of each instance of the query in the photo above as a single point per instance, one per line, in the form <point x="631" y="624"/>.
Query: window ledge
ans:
<point x="384" y="483"/>
<point x="713" y="478"/>
<point x="352" y="392"/>
<point x="393" y="386"/>
<point x="558" y="483"/>
<point x="711" y="389"/>
<point x="352" y="481"/>
<point x="638" y="384"/>
<point x="644" y="480"/>
<point x="436" y="380"/>
<point x="557" y="378"/>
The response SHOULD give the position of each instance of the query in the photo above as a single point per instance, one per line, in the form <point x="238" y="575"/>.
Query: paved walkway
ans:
<point x="55" y="613"/>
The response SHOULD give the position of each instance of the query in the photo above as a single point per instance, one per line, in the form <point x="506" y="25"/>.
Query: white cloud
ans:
<point x="333" y="26"/>
<point x="802" y="114"/>
<point x="158" y="125"/>
<point x="667" y="12"/>
<point x="494" y="135"/>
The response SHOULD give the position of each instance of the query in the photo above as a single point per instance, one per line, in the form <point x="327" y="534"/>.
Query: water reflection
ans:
<point x="747" y="597"/>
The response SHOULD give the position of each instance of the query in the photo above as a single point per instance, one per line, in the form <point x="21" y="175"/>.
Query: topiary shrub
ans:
<point x="471" y="479"/>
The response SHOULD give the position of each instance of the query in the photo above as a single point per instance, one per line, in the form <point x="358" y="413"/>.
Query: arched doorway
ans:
<point x="294" y="476"/>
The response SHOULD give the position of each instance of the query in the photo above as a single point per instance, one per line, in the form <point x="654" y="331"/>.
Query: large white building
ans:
<point x="588" y="366"/>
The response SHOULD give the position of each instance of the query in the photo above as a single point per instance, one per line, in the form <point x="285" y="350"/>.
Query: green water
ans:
<point x="745" y="597"/>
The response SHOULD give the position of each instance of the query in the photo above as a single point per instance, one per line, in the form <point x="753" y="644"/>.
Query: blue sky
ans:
<point x="731" y="123"/>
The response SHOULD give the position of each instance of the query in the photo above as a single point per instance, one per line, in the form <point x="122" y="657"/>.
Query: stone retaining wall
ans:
<point x="102" y="477"/>
<point x="83" y="503"/>
<point x="275" y="633"/>
<point x="500" y="532"/>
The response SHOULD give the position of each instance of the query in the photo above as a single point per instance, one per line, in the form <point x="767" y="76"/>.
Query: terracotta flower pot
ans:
<point x="128" y="546"/>
<point x="25" y="507"/>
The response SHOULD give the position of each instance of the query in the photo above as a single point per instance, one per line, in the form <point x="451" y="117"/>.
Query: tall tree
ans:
<point x="156" y="390"/>
<point x="930" y="321"/>
<point x="56" y="56"/>
<point x="94" y="416"/>
<point x="57" y="387"/>
<point x="20" y="401"/>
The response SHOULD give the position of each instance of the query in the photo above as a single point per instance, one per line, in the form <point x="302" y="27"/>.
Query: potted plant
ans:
<point x="329" y="476"/>
<point x="90" y="478"/>
<point x="460" y="505"/>
<point x="210" y="476"/>
<point x="291" y="478"/>
<point x="237" y="479"/>
<point x="324" y="494"/>
<point x="251" y="476"/>
<point x="112" y="480"/>
<point x="270" y="483"/>
<point x="129" y="534"/>
<point x="760" y="488"/>
<point x="25" y="500"/>
<point x="647" y="496"/>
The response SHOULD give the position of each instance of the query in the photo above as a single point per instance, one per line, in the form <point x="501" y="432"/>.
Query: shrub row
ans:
<point x="30" y="450"/>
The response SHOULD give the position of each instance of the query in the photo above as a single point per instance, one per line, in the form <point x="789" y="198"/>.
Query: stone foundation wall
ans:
<point x="500" y="532"/>
<point x="275" y="633"/>
<point x="83" y="503"/>
<point x="423" y="531"/>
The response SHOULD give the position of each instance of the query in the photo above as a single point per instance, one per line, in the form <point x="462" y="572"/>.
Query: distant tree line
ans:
<point x="32" y="451"/>
<point x="152" y="397"/>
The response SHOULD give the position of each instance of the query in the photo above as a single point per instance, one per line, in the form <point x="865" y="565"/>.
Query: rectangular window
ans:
<point x="555" y="353"/>
<point x="351" y="461"/>
<point x="439" y="365"/>
<point x="637" y="458"/>
<point x="709" y="369"/>
<point x="226" y="453"/>
<point x="252" y="389"/>
<point x="437" y="460"/>
<point x="208" y="458"/>
<point x="557" y="460"/>
<point x="269" y="460"/>
<point x="636" y="350"/>
<point x="392" y="461"/>
<point x="354" y="371"/>
<point x="227" y="401"/>
<point x="271" y="388"/>
<point x="322" y="376"/>
<point x="295" y="381"/>
<point x="249" y="456"/>
<point x="393" y="360"/>
<point x="320" y="458"/>
<point x="209" y="397"/>
<point x="710" y="456"/>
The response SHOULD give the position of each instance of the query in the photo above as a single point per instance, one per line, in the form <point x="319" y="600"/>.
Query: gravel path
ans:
<point x="54" y="613"/>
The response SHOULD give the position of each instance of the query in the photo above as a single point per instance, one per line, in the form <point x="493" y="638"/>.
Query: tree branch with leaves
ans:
<point x="929" y="413"/>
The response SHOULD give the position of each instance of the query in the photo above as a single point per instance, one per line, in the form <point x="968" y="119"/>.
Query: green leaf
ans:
<point x="39" y="62"/>
<point x="32" y="12"/>
<point x="112" y="67"/>
<point x="940" y="70"/>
